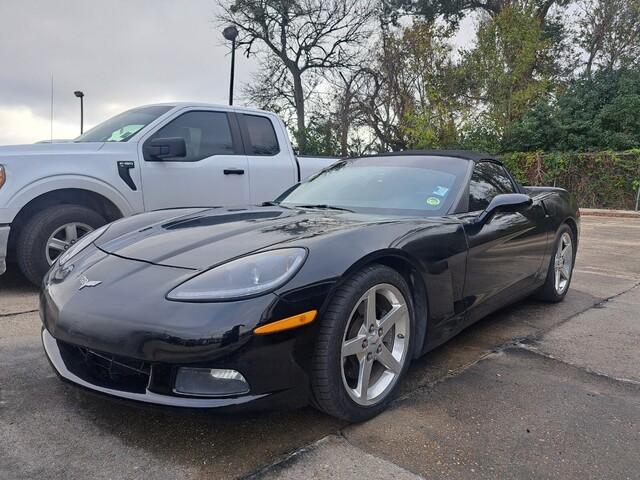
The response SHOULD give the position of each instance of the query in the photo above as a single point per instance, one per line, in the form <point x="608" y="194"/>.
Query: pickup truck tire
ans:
<point x="35" y="234"/>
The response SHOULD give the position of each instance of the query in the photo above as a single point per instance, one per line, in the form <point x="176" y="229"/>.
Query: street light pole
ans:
<point x="80" y="95"/>
<point x="231" y="33"/>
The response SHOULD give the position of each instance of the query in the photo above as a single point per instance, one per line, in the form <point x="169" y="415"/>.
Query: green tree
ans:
<point x="601" y="111"/>
<point x="609" y="32"/>
<point x="503" y="79"/>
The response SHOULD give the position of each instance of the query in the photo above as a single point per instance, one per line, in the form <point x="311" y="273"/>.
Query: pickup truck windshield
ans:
<point x="123" y="126"/>
<point x="403" y="185"/>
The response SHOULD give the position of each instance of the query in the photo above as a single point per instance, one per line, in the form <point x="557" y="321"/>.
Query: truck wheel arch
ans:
<point x="71" y="196"/>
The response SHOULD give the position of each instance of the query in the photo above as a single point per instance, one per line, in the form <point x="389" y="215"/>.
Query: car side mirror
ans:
<point x="160" y="149"/>
<point x="507" y="202"/>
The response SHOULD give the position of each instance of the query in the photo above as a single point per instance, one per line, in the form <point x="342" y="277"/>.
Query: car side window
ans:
<point x="488" y="180"/>
<point x="204" y="133"/>
<point x="262" y="136"/>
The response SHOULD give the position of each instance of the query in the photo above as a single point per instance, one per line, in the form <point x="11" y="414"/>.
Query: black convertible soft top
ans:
<point x="464" y="154"/>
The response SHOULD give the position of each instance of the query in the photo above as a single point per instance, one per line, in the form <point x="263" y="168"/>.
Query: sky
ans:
<point x="120" y="53"/>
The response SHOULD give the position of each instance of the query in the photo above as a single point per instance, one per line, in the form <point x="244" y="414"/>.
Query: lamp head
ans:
<point x="78" y="94"/>
<point x="230" y="33"/>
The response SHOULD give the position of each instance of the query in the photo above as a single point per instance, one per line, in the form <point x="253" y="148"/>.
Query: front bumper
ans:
<point x="54" y="354"/>
<point x="110" y="323"/>
<point x="4" y="245"/>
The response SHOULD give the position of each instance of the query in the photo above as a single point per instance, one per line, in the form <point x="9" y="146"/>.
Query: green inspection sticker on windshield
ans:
<point x="433" y="201"/>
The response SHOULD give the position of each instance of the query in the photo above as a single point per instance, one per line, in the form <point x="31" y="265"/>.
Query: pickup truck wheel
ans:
<point x="49" y="233"/>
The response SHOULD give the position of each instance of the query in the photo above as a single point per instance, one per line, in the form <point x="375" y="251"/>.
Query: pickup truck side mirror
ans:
<point x="159" y="149"/>
<point x="507" y="202"/>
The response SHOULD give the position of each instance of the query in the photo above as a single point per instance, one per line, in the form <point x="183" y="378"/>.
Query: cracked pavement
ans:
<point x="532" y="391"/>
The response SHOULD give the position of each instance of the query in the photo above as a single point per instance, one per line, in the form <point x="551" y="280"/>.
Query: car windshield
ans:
<point x="427" y="185"/>
<point x="125" y="125"/>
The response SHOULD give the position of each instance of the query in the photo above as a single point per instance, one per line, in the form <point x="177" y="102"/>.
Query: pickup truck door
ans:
<point x="272" y="164"/>
<point x="214" y="170"/>
<point x="505" y="253"/>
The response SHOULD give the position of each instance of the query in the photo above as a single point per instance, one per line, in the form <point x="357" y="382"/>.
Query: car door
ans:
<point x="214" y="170"/>
<point x="272" y="165"/>
<point x="505" y="253"/>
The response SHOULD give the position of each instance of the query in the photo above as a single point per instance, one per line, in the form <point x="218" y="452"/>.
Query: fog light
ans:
<point x="210" y="382"/>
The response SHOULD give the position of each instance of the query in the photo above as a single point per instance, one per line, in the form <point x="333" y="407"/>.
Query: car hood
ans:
<point x="203" y="238"/>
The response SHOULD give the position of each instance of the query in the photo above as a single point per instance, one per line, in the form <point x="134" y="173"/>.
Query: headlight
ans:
<point x="245" y="277"/>
<point x="83" y="243"/>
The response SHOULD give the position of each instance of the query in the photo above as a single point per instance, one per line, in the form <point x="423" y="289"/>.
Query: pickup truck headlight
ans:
<point x="83" y="243"/>
<point x="3" y="175"/>
<point x="242" y="278"/>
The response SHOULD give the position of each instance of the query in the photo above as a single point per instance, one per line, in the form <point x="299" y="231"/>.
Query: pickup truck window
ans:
<point x="125" y="125"/>
<point x="262" y="136"/>
<point x="205" y="134"/>
<point x="488" y="180"/>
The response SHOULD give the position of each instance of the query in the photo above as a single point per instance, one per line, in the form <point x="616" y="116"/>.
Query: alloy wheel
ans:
<point x="375" y="344"/>
<point x="63" y="238"/>
<point x="563" y="263"/>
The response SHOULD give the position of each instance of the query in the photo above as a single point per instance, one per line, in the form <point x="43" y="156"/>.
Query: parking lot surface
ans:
<point x="533" y="391"/>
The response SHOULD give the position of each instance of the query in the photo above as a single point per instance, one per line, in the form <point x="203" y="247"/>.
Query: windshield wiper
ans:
<point x="270" y="204"/>
<point x="323" y="206"/>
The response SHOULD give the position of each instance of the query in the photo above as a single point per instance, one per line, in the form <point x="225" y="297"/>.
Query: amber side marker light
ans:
<point x="287" y="323"/>
<point x="3" y="176"/>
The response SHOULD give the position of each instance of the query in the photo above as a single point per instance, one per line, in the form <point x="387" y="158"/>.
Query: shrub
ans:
<point x="598" y="180"/>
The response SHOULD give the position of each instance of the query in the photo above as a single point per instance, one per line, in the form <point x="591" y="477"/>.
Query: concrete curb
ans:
<point x="601" y="212"/>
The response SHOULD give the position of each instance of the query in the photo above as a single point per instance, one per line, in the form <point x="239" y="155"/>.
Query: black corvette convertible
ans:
<point x="324" y="295"/>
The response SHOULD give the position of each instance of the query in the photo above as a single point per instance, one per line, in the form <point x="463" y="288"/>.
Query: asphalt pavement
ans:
<point x="533" y="391"/>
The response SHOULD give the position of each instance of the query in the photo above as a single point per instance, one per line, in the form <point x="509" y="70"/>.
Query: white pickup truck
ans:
<point x="148" y="158"/>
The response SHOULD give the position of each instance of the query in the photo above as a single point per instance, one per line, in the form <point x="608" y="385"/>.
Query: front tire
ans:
<point x="560" y="270"/>
<point x="364" y="344"/>
<point x="49" y="233"/>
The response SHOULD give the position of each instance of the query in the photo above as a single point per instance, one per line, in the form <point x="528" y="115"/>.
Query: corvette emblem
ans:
<point x="85" y="282"/>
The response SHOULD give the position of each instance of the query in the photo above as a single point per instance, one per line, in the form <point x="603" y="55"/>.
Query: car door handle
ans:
<point x="233" y="171"/>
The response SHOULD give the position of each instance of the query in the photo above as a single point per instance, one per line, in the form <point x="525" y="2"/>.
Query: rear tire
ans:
<point x="560" y="270"/>
<point x="34" y="251"/>
<point x="354" y="343"/>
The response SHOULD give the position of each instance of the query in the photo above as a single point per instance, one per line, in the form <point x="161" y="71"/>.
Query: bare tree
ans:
<point x="454" y="10"/>
<point x="297" y="39"/>
<point x="610" y="32"/>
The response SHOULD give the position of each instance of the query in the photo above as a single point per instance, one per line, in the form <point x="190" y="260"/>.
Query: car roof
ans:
<point x="464" y="154"/>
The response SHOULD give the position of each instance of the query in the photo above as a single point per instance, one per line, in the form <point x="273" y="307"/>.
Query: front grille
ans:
<point x="106" y="370"/>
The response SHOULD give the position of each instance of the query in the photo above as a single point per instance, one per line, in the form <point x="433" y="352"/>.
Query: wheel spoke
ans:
<point x="565" y="250"/>
<point x="364" y="376"/>
<point x="71" y="232"/>
<point x="566" y="271"/>
<point x="353" y="346"/>
<point x="390" y="319"/>
<point x="388" y="360"/>
<point x="370" y="313"/>
<point x="57" y="244"/>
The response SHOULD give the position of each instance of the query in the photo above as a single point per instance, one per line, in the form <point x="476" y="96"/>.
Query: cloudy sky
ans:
<point x="121" y="53"/>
